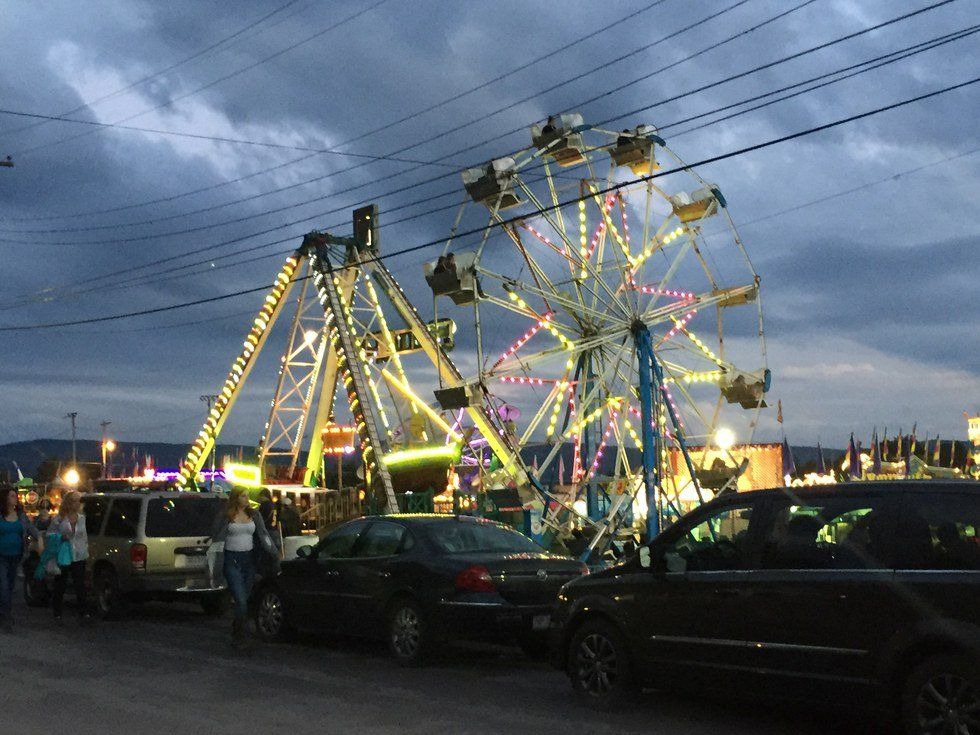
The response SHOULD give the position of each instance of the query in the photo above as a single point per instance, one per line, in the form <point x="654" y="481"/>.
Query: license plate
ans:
<point x="540" y="622"/>
<point x="182" y="561"/>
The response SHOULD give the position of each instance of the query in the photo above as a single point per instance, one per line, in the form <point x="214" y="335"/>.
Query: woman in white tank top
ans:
<point x="238" y="526"/>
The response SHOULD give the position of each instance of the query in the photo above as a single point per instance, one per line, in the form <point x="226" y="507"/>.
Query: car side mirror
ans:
<point x="305" y="552"/>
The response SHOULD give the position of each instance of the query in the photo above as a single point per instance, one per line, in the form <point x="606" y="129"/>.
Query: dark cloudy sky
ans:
<point x="871" y="299"/>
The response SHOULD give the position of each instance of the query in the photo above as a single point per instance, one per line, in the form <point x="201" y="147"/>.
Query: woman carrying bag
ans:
<point x="243" y="532"/>
<point x="15" y="528"/>
<point x="72" y="555"/>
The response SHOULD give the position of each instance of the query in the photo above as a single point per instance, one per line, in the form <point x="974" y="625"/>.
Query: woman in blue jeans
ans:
<point x="244" y="534"/>
<point x="14" y="530"/>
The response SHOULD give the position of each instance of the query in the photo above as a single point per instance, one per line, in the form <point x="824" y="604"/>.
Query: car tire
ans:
<point x="214" y="605"/>
<point x="599" y="665"/>
<point x="109" y="598"/>
<point x="941" y="695"/>
<point x="271" y="620"/>
<point x="408" y="633"/>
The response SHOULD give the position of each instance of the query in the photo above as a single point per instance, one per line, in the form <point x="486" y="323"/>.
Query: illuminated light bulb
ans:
<point x="724" y="438"/>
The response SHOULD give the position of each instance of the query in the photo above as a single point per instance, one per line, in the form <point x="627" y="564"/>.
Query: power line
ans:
<point x="159" y="73"/>
<point x="202" y="136"/>
<point x="287" y="207"/>
<point x="515" y="220"/>
<point x="593" y="70"/>
<point x="224" y="78"/>
<point x="868" y="65"/>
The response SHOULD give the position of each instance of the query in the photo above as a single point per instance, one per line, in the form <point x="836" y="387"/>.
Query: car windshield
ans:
<point x="460" y="537"/>
<point x="187" y="516"/>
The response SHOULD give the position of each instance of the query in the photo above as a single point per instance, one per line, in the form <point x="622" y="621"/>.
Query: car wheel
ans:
<point x="942" y="695"/>
<point x="270" y="615"/>
<point x="214" y="605"/>
<point x="408" y="634"/>
<point x="109" y="598"/>
<point x="599" y="665"/>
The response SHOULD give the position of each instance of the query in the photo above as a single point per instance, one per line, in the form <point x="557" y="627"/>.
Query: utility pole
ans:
<point x="210" y="399"/>
<point x="105" y="448"/>
<point x="74" y="452"/>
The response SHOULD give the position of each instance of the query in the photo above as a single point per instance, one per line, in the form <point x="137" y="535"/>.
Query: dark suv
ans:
<point x="862" y="593"/>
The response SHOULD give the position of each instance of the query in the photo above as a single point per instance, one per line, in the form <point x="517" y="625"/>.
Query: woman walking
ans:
<point x="72" y="555"/>
<point x="14" y="530"/>
<point x="244" y="533"/>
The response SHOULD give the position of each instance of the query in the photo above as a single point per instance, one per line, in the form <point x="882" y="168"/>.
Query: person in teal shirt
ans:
<point x="15" y="527"/>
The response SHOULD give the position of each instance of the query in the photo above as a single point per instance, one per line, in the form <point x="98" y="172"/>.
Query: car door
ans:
<point x="938" y="567"/>
<point x="315" y="590"/>
<point x="692" y="604"/>
<point x="824" y="592"/>
<point x="368" y="578"/>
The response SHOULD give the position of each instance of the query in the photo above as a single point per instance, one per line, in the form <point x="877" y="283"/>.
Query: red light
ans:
<point x="475" y="579"/>
<point x="137" y="556"/>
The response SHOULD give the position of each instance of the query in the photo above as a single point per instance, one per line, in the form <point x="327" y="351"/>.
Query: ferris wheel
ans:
<point x="613" y="305"/>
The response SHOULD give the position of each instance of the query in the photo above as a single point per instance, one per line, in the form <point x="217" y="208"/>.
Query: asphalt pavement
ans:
<point x="170" y="669"/>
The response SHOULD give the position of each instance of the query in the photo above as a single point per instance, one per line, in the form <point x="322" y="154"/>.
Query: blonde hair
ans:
<point x="70" y="503"/>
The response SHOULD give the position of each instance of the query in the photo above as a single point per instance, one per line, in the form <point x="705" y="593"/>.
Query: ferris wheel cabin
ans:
<point x="698" y="204"/>
<point x="560" y="138"/>
<point x="453" y="276"/>
<point x="634" y="149"/>
<point x="746" y="389"/>
<point x="493" y="184"/>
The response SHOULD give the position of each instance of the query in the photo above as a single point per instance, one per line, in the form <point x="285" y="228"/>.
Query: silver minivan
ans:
<point x="151" y="545"/>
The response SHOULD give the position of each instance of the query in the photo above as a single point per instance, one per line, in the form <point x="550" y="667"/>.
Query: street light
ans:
<point x="724" y="438"/>
<point x="108" y="446"/>
<point x="71" y="477"/>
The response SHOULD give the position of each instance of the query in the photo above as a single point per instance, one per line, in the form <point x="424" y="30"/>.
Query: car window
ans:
<point x="382" y="539"/>
<point x="467" y="536"/>
<point x="832" y="533"/>
<point x="340" y="543"/>
<point x="94" y="513"/>
<point x="124" y="516"/>
<point x="185" y="516"/>
<point x="941" y="531"/>
<point x="717" y="543"/>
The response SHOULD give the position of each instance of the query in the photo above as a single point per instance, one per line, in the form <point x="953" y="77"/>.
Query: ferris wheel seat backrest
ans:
<point x="561" y="138"/>
<point x="493" y="184"/>
<point x="453" y="275"/>
<point x="697" y="205"/>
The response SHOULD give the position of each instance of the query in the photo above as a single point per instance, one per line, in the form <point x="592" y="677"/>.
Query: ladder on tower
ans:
<point x="351" y="368"/>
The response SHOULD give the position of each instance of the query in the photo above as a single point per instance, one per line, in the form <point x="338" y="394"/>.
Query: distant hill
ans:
<point x="29" y="455"/>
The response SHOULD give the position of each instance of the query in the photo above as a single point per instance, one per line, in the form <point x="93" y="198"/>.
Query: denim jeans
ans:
<point x="240" y="574"/>
<point x="8" y="577"/>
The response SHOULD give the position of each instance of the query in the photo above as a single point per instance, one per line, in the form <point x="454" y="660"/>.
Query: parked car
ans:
<point x="415" y="580"/>
<point x="858" y="593"/>
<point x="148" y="545"/>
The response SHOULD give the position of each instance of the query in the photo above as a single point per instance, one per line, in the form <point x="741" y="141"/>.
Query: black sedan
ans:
<point x="416" y="580"/>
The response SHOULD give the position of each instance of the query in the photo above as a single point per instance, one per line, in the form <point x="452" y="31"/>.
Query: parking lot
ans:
<point x="169" y="669"/>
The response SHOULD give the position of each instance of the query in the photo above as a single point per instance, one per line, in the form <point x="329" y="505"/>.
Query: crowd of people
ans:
<point x="249" y="542"/>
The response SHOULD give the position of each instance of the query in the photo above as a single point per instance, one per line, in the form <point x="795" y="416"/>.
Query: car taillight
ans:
<point x="137" y="556"/>
<point x="584" y="568"/>
<point x="475" y="579"/>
